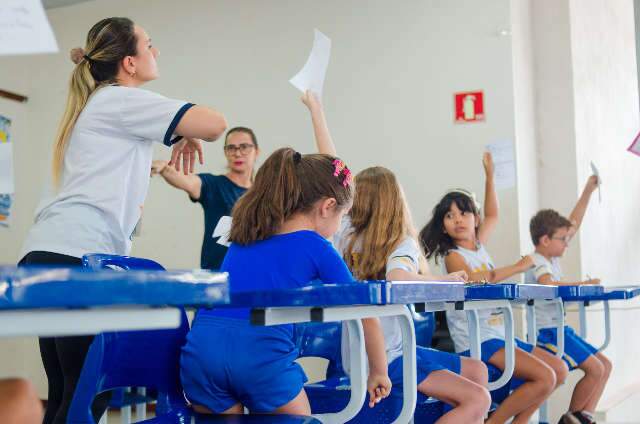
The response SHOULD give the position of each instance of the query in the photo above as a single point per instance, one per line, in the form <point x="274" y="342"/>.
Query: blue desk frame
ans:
<point x="351" y="303"/>
<point x="36" y="301"/>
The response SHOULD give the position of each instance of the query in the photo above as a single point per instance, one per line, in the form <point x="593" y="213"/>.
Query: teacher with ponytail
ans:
<point x="100" y="172"/>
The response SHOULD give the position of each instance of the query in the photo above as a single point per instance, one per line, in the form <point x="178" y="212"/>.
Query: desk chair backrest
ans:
<point x="148" y="359"/>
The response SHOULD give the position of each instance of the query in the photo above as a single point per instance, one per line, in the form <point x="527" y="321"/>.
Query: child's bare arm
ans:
<point x="324" y="142"/>
<point x="378" y="383"/>
<point x="456" y="262"/>
<point x="577" y="214"/>
<point x="491" y="207"/>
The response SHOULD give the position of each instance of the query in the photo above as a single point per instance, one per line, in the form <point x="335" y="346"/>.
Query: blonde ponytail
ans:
<point x="108" y="42"/>
<point x="81" y="86"/>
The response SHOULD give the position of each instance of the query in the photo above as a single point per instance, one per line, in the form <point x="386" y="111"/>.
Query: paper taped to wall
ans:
<point x="25" y="29"/>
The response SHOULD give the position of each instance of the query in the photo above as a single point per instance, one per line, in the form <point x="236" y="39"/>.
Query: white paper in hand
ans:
<point x="595" y="172"/>
<point x="222" y="230"/>
<point x="24" y="28"/>
<point x="311" y="76"/>
<point x="504" y="161"/>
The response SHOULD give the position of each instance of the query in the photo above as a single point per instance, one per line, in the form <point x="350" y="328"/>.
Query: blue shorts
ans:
<point x="576" y="349"/>
<point x="427" y="361"/>
<point x="226" y="361"/>
<point x="491" y="346"/>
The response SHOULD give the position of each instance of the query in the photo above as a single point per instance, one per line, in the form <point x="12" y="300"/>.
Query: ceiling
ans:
<point x="52" y="4"/>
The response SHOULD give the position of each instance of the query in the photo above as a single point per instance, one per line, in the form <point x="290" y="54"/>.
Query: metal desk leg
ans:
<point x="532" y="331"/>
<point x="409" y="379"/>
<point x="509" y="347"/>
<point x="474" y="336"/>
<point x="409" y="372"/>
<point x="141" y="408"/>
<point x="607" y="326"/>
<point x="582" y="310"/>
<point x="532" y="338"/>
<point x="358" y="376"/>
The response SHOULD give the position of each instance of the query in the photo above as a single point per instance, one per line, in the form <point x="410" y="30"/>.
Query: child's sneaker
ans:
<point x="577" y="417"/>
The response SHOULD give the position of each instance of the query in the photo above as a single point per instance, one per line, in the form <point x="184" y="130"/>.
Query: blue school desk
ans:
<point x="585" y="295"/>
<point x="350" y="303"/>
<point x="37" y="301"/>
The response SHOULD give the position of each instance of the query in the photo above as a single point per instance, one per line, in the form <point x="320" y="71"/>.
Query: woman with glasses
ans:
<point x="217" y="193"/>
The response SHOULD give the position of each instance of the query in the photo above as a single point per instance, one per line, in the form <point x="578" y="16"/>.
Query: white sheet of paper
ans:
<point x="6" y="168"/>
<point x="222" y="230"/>
<point x="595" y="172"/>
<point x="24" y="28"/>
<point x="504" y="161"/>
<point x="311" y="76"/>
<point x="635" y="146"/>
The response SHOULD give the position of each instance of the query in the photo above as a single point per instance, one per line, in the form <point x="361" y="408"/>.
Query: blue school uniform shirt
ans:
<point x="282" y="261"/>
<point x="218" y="195"/>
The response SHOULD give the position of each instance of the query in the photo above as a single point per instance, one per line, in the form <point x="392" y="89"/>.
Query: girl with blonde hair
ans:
<point x="378" y="242"/>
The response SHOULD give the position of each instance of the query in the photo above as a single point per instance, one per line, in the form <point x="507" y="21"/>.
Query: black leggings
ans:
<point x="63" y="357"/>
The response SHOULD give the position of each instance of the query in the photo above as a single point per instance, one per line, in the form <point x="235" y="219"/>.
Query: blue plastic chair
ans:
<point x="110" y="359"/>
<point x="424" y="324"/>
<point x="332" y="394"/>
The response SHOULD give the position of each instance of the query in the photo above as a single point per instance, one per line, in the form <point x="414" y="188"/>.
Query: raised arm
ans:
<point x="577" y="214"/>
<point x="324" y="142"/>
<point x="455" y="262"/>
<point x="192" y="184"/>
<point x="490" y="219"/>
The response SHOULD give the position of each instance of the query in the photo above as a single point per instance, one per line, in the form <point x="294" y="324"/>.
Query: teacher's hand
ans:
<point x="185" y="151"/>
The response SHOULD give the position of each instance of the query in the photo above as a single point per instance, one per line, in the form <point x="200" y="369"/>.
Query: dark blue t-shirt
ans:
<point x="217" y="197"/>
<point x="289" y="260"/>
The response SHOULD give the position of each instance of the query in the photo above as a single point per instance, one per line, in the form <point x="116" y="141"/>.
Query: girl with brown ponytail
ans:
<point x="101" y="164"/>
<point x="279" y="240"/>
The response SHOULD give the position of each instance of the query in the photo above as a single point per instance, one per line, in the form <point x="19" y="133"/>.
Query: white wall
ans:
<point x="389" y="97"/>
<point x="586" y="95"/>
<point x="524" y="94"/>
<point x="606" y="120"/>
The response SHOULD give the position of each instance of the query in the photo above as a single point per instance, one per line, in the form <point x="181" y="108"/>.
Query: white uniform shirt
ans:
<point x="491" y="320"/>
<point x="405" y="256"/>
<point x="105" y="175"/>
<point x="546" y="315"/>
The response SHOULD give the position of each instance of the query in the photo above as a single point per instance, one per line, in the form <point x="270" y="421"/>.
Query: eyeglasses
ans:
<point x="242" y="148"/>
<point x="565" y="239"/>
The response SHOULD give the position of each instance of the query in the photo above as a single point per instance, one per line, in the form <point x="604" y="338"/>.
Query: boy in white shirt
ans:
<point x="551" y="233"/>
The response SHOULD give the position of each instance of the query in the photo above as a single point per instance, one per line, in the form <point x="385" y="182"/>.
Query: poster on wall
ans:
<point x="7" y="187"/>
<point x="469" y="106"/>
<point x="5" y="209"/>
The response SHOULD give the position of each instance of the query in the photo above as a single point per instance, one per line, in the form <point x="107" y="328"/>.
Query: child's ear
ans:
<point x="544" y="241"/>
<point x="327" y="207"/>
